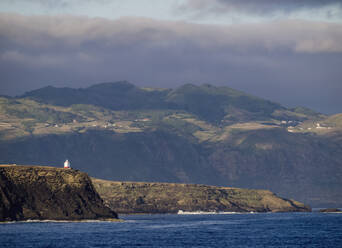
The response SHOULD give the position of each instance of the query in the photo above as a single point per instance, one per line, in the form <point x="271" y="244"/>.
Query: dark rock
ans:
<point x="39" y="193"/>
<point x="330" y="210"/>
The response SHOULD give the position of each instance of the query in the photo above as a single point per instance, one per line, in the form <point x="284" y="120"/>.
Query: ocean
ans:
<point x="214" y="230"/>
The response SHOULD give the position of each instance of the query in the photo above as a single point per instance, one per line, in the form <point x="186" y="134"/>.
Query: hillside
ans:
<point x="132" y="197"/>
<point x="191" y="134"/>
<point x="212" y="104"/>
<point x="115" y="96"/>
<point x="47" y="193"/>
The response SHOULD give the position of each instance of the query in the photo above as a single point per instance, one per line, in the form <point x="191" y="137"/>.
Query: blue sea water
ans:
<point x="232" y="230"/>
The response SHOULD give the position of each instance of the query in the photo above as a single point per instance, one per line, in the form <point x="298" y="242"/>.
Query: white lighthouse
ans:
<point x="67" y="164"/>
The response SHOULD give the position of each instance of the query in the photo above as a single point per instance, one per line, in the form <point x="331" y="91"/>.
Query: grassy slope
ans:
<point x="209" y="103"/>
<point x="213" y="104"/>
<point x="127" y="197"/>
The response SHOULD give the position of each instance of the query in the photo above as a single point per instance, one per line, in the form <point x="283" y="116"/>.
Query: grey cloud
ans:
<point x="256" y="7"/>
<point x="46" y="33"/>
<point x="60" y="4"/>
<point x="294" y="62"/>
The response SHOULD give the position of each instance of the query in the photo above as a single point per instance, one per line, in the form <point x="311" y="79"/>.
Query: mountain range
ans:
<point x="192" y="134"/>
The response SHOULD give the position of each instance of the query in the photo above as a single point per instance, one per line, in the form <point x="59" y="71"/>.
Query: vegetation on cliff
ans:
<point x="133" y="197"/>
<point x="40" y="193"/>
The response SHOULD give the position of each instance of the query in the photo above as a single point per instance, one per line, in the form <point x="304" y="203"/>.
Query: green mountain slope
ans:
<point x="212" y="104"/>
<point x="115" y="96"/>
<point x="192" y="134"/>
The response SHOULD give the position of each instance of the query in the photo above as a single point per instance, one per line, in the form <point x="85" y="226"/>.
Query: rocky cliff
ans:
<point x="132" y="197"/>
<point x="38" y="193"/>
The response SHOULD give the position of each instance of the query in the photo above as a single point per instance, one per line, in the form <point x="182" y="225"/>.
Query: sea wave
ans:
<point x="211" y="212"/>
<point x="59" y="221"/>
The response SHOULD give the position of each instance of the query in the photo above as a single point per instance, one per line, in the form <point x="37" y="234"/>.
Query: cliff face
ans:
<point x="132" y="197"/>
<point x="295" y="166"/>
<point x="36" y="192"/>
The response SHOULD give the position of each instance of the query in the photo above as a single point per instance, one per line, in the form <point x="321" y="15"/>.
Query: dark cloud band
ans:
<point x="264" y="59"/>
<point x="256" y="7"/>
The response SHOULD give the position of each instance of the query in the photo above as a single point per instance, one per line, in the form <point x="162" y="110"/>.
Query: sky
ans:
<point x="288" y="51"/>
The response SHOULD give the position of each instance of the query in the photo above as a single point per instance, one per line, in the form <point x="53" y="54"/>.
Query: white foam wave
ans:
<point x="56" y="221"/>
<point x="210" y="212"/>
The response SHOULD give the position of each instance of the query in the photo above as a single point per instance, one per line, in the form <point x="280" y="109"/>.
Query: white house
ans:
<point x="67" y="164"/>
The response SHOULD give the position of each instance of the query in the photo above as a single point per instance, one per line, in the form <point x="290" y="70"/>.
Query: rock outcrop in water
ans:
<point x="39" y="193"/>
<point x="133" y="197"/>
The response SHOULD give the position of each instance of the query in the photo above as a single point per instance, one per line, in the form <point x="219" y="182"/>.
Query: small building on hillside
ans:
<point x="67" y="164"/>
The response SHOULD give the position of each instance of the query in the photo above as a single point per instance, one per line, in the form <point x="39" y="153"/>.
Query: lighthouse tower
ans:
<point x="67" y="164"/>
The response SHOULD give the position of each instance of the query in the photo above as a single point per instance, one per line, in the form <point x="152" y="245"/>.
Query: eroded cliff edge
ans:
<point x="133" y="197"/>
<point x="40" y="192"/>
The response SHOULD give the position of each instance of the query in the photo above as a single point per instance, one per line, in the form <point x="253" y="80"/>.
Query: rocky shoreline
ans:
<point x="41" y="193"/>
<point x="330" y="210"/>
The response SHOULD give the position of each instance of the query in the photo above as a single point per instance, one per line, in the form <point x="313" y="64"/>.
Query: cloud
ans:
<point x="267" y="59"/>
<point x="57" y="3"/>
<point x="260" y="7"/>
<point x="68" y="33"/>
